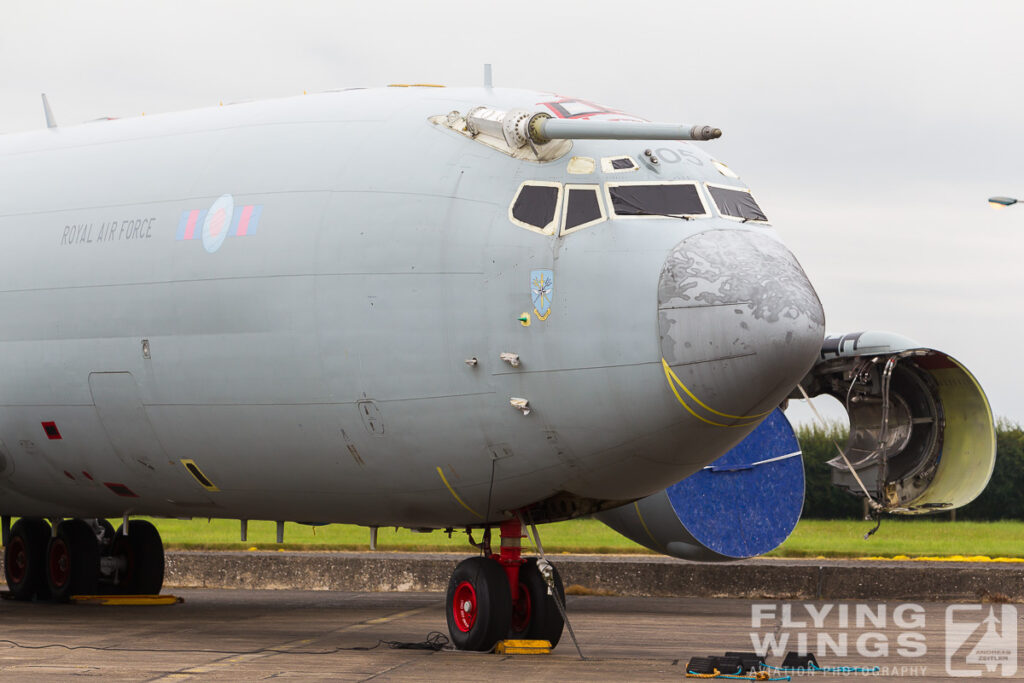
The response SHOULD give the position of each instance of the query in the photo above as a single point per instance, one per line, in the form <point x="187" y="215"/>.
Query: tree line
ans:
<point x="1003" y="498"/>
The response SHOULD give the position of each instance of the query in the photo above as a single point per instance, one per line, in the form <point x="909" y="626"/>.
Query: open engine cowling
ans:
<point x="744" y="504"/>
<point x="922" y="438"/>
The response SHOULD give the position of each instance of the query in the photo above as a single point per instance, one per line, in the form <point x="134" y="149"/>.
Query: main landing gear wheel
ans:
<point x="478" y="604"/>
<point x="535" y="616"/>
<point x="141" y="557"/>
<point x="73" y="560"/>
<point x="25" y="559"/>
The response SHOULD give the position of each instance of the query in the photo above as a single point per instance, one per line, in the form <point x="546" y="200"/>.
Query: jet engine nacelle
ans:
<point x="922" y="438"/>
<point x="746" y="503"/>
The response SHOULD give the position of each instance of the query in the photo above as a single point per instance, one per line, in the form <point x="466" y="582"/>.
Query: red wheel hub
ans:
<point x="17" y="559"/>
<point x="464" y="606"/>
<point x="60" y="562"/>
<point x="521" y="611"/>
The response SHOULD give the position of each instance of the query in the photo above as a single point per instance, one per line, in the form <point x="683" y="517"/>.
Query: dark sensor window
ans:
<point x="536" y="205"/>
<point x="582" y="207"/>
<point x="656" y="200"/>
<point x="736" y="203"/>
<point x="620" y="164"/>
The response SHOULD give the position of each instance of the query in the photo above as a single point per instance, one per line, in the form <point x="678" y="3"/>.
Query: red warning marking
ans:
<point x="69" y="475"/>
<point x="51" y="430"/>
<point x="120" y="489"/>
<point x="87" y="475"/>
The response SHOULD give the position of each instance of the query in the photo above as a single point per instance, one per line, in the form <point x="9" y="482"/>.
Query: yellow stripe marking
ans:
<point x="673" y="376"/>
<point x="669" y="375"/>
<point x="455" y="495"/>
<point x="636" y="506"/>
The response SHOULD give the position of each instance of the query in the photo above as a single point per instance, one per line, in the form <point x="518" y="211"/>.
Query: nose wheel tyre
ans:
<point x="535" y="616"/>
<point x="478" y="604"/>
<point x="25" y="559"/>
<point x="72" y="560"/>
<point x="142" y="553"/>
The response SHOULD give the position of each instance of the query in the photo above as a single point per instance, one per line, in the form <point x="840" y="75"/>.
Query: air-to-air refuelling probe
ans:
<point x="434" y="308"/>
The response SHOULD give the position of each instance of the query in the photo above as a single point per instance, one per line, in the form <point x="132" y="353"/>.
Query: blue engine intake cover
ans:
<point x="746" y="503"/>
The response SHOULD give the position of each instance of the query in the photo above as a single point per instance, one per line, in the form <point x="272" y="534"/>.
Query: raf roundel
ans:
<point x="222" y="220"/>
<point x="217" y="223"/>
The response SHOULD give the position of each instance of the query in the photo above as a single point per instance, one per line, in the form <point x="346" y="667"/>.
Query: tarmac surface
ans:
<point x="233" y="635"/>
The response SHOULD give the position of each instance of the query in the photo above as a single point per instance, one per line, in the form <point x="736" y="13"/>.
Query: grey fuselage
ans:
<point x="315" y="368"/>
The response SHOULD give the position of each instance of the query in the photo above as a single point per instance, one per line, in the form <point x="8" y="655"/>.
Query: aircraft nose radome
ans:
<point x="739" y="323"/>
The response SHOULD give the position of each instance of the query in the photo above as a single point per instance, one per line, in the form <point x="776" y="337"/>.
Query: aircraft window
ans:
<point x="582" y="207"/>
<point x="680" y="199"/>
<point x="535" y="206"/>
<point x="734" y="202"/>
<point x="618" y="164"/>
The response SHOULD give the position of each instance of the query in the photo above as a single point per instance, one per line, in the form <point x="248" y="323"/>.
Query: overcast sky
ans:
<point x="871" y="132"/>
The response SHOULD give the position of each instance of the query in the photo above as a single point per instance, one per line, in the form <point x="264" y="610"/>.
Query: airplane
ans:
<point x="469" y="309"/>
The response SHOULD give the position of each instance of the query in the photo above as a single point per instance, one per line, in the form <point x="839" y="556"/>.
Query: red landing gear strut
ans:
<point x="494" y="597"/>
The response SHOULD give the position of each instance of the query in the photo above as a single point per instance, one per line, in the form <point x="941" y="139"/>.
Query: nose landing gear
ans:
<point x="494" y="597"/>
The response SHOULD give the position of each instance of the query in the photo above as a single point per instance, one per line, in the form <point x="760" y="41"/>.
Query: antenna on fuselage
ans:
<point x="487" y="77"/>
<point x="50" y="121"/>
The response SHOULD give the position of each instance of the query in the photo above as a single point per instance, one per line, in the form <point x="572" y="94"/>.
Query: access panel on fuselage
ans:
<point x="123" y="416"/>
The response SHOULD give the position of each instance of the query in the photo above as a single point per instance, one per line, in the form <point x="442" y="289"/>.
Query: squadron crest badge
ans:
<point x="542" y="289"/>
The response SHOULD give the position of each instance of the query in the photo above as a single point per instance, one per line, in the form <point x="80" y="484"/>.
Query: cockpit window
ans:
<point x="618" y="164"/>
<point x="656" y="199"/>
<point x="535" y="206"/>
<point x="734" y="202"/>
<point x="582" y="207"/>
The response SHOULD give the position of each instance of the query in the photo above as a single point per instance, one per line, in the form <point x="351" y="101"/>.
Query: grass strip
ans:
<point x="897" y="538"/>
